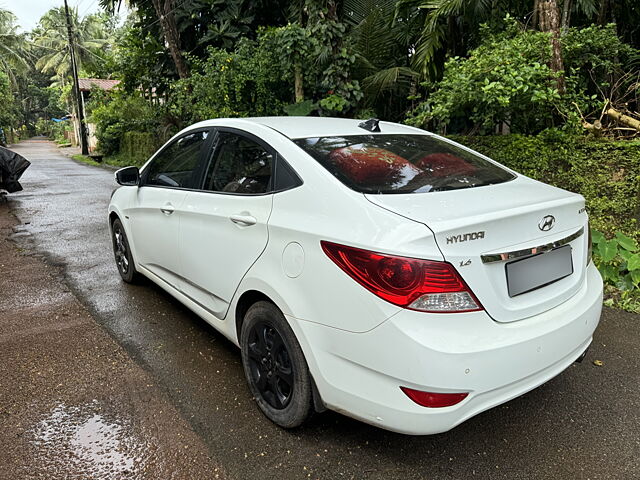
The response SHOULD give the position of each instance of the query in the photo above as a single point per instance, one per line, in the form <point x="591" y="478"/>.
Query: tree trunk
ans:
<point x="536" y="10"/>
<point x="623" y="119"/>
<point x="164" y="10"/>
<point x="566" y="15"/>
<point x="603" y="12"/>
<point x="298" y="85"/>
<point x="550" y="22"/>
<point x="594" y="128"/>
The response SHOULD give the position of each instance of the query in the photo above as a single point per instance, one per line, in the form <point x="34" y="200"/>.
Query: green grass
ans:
<point x="113" y="161"/>
<point x="87" y="160"/>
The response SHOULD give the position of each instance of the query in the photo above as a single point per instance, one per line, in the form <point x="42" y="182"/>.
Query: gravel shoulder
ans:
<point x="73" y="404"/>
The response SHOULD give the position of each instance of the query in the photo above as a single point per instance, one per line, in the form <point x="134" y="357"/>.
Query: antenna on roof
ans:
<point x="372" y="125"/>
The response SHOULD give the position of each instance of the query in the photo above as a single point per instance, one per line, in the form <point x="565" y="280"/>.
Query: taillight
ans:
<point x="433" y="399"/>
<point x="424" y="285"/>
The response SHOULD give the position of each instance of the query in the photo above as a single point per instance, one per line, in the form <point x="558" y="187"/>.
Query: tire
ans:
<point x="275" y="367"/>
<point x="122" y="253"/>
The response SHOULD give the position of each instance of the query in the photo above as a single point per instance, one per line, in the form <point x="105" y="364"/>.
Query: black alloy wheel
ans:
<point x="274" y="366"/>
<point x="270" y="365"/>
<point x="122" y="253"/>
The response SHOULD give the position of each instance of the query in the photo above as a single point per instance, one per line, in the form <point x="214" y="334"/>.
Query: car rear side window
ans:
<point x="401" y="163"/>
<point x="239" y="165"/>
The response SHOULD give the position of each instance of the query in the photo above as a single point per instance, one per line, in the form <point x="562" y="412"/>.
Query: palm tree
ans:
<point x="383" y="43"/>
<point x="14" y="53"/>
<point x="448" y="23"/>
<point x="51" y="36"/>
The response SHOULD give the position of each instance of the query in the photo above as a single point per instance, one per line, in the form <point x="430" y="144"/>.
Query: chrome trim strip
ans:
<point x="501" y="257"/>
<point x="182" y="292"/>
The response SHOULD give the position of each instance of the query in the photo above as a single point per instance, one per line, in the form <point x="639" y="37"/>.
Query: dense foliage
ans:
<point x="116" y="114"/>
<point x="506" y="83"/>
<point x="236" y="83"/>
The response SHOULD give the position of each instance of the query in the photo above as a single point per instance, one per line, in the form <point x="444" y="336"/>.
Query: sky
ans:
<point x="30" y="11"/>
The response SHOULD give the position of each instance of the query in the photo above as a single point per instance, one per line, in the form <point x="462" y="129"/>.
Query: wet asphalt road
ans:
<point x="583" y="424"/>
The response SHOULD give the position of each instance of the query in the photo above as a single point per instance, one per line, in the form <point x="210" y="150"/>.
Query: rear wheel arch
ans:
<point x="245" y="301"/>
<point x="249" y="298"/>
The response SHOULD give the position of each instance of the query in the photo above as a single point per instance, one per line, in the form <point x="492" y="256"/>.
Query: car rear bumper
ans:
<point x="360" y="374"/>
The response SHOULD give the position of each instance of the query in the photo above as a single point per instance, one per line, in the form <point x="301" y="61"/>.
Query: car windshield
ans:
<point x="401" y="163"/>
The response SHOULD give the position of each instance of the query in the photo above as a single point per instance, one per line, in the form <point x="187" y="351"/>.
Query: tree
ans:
<point x="14" y="52"/>
<point x="51" y="37"/>
<point x="549" y="17"/>
<point x="6" y="102"/>
<point x="382" y="42"/>
<point x="164" y="10"/>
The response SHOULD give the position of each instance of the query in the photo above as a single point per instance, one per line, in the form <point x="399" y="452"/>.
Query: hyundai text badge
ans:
<point x="547" y="223"/>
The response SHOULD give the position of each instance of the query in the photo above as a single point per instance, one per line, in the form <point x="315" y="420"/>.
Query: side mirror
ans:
<point x="128" y="176"/>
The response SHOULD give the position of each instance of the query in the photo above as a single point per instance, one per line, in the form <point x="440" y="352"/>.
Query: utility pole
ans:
<point x="84" y="141"/>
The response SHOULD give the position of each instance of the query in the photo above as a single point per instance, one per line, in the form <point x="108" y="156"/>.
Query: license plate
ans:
<point x="538" y="271"/>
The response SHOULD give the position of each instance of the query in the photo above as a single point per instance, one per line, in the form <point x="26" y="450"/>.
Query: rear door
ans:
<point x="156" y="213"/>
<point x="223" y="229"/>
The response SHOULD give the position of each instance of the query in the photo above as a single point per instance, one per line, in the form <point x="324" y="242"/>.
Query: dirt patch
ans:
<point x="73" y="404"/>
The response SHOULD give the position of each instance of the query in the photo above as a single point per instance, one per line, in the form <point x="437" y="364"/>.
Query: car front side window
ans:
<point x="175" y="165"/>
<point x="239" y="165"/>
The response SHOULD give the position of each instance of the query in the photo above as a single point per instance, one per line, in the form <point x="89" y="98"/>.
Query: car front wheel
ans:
<point x="122" y="253"/>
<point x="275" y="367"/>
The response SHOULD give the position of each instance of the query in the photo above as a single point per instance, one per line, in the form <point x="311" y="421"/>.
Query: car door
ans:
<point x="224" y="225"/>
<point x="155" y="215"/>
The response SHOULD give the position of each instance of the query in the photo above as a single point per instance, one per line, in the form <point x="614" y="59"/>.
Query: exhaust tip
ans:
<point x="581" y="357"/>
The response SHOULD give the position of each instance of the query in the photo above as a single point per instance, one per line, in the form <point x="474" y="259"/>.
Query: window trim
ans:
<point x="277" y="159"/>
<point x="197" y="171"/>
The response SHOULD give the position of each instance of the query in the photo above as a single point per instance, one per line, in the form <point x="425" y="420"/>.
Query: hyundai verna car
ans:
<point x="370" y="268"/>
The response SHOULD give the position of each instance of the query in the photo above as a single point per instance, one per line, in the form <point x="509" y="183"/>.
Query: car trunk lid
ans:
<point x="477" y="228"/>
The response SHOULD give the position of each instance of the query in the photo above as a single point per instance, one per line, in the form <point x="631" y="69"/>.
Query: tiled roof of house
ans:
<point x="87" y="84"/>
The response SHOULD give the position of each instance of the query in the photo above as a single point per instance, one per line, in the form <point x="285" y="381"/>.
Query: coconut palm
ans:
<point x="51" y="37"/>
<point x="383" y="43"/>
<point x="14" y="53"/>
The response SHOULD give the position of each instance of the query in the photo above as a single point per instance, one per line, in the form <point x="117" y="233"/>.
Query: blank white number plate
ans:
<point x="538" y="271"/>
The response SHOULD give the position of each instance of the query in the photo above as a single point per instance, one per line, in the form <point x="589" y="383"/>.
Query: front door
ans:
<point x="156" y="213"/>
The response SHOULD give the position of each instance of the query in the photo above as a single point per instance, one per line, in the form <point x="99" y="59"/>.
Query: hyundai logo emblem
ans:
<point x="547" y="223"/>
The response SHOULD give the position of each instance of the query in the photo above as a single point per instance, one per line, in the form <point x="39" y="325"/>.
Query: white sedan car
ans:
<point x="371" y="268"/>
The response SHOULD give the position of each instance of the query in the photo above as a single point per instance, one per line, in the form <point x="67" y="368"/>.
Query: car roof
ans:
<point x="304" y="127"/>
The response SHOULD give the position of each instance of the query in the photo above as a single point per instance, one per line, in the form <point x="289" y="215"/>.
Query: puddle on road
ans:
<point x="84" y="444"/>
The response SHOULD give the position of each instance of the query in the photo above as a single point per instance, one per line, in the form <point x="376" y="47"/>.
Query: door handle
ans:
<point x="246" y="220"/>
<point x="167" y="209"/>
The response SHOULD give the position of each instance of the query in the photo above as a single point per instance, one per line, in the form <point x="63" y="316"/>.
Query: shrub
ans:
<point x="137" y="147"/>
<point x="507" y="80"/>
<point x="116" y="113"/>
<point x="240" y="83"/>
<point x="618" y="261"/>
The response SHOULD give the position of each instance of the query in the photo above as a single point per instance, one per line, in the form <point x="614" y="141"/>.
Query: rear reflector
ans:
<point x="425" y="285"/>
<point x="434" y="400"/>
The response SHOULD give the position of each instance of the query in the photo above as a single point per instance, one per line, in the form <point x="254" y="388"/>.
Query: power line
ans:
<point x="167" y="13"/>
<point x="88" y="8"/>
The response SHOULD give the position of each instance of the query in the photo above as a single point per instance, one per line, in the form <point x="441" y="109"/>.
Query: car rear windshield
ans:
<point x="401" y="163"/>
